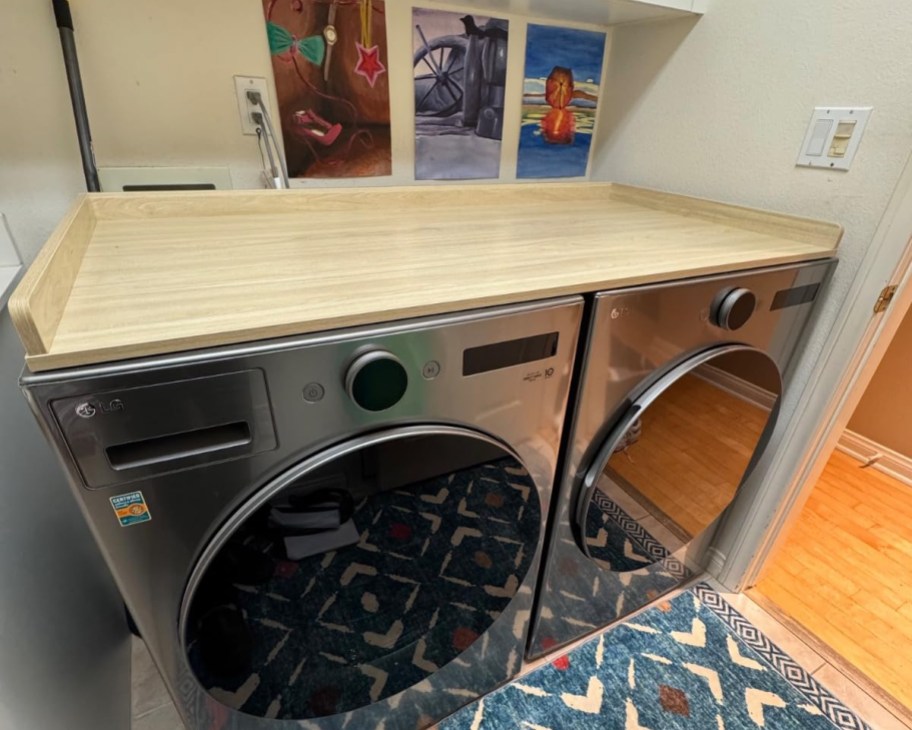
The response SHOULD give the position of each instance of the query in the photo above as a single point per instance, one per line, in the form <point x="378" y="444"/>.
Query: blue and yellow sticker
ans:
<point x="131" y="509"/>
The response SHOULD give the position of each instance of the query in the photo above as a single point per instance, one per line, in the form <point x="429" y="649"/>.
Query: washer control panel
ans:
<point x="732" y="308"/>
<point x="376" y="380"/>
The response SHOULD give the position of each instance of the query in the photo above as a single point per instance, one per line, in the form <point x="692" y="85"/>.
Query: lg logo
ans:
<point x="89" y="409"/>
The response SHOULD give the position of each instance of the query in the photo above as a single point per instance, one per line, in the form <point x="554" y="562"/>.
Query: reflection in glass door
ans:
<point x="363" y="575"/>
<point x="677" y="458"/>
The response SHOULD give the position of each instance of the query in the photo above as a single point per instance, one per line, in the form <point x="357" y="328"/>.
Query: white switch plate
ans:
<point x="242" y="84"/>
<point x="815" y="152"/>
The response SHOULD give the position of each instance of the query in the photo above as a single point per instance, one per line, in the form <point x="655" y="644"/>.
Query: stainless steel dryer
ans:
<point x="340" y="530"/>
<point x="679" y="392"/>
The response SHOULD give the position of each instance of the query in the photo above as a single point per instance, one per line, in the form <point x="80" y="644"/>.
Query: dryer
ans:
<point x="678" y="394"/>
<point x="339" y="530"/>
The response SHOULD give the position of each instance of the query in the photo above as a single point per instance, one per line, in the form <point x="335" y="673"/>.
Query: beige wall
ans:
<point x="159" y="87"/>
<point x="884" y="414"/>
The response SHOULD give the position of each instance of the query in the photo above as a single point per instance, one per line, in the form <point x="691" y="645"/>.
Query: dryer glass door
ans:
<point x="360" y="572"/>
<point x="676" y="457"/>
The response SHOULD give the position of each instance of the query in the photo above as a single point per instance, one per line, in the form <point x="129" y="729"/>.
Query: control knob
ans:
<point x="376" y="380"/>
<point x="732" y="308"/>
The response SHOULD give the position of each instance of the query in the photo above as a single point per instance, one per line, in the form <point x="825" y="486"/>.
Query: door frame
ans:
<point x="858" y="341"/>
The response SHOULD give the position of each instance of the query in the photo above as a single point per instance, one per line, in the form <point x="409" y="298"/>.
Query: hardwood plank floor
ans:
<point x="696" y="442"/>
<point x="845" y="572"/>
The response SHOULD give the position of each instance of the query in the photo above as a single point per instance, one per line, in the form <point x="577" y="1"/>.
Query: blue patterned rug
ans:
<point x="691" y="663"/>
<point x="620" y="543"/>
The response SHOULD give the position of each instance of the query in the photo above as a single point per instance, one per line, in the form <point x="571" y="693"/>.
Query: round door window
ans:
<point x="361" y="572"/>
<point x="677" y="457"/>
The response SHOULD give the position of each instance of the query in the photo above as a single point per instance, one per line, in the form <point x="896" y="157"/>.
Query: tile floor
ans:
<point x="152" y="708"/>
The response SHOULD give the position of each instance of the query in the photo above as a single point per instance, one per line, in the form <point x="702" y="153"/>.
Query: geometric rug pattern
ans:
<point x="434" y="566"/>
<point x="619" y="542"/>
<point x="690" y="663"/>
<point x="630" y="569"/>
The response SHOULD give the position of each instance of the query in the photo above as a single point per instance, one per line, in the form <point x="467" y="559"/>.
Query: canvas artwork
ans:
<point x="329" y="58"/>
<point x="460" y="70"/>
<point x="560" y="101"/>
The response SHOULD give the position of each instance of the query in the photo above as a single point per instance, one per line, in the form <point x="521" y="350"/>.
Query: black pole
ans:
<point x="70" y="60"/>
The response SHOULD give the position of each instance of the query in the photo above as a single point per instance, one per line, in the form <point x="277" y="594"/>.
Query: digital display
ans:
<point x="508" y="353"/>
<point x="794" y="297"/>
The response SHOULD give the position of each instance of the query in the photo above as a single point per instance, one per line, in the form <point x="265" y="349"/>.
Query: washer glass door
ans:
<point x="360" y="572"/>
<point x="676" y="457"/>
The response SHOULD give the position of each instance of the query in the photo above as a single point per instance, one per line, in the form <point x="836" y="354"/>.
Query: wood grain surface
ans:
<point x="169" y="272"/>
<point x="845" y="572"/>
<point x="684" y="469"/>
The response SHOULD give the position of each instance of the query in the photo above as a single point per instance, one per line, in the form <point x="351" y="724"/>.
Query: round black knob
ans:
<point x="733" y="307"/>
<point x="376" y="380"/>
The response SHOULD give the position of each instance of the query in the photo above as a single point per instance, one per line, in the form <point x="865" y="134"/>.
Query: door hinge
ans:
<point x="886" y="296"/>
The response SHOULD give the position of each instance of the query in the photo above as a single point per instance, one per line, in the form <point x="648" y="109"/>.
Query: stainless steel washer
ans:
<point x="340" y="530"/>
<point x="679" y="391"/>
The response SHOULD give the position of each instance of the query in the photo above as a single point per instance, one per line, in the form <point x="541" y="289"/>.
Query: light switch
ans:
<point x="833" y="136"/>
<point x="840" y="144"/>
<point x="819" y="137"/>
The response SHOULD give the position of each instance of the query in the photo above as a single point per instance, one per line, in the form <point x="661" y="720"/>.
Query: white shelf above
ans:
<point x="597" y="12"/>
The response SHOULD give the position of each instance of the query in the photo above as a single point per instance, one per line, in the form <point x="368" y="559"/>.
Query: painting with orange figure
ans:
<point x="560" y="101"/>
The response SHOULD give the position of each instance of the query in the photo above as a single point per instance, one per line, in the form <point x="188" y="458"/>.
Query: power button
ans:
<point x="314" y="392"/>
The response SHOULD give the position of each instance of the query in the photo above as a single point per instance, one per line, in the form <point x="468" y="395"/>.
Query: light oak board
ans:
<point x="130" y="275"/>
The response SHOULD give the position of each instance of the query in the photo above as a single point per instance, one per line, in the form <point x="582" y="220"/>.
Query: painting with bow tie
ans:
<point x="329" y="58"/>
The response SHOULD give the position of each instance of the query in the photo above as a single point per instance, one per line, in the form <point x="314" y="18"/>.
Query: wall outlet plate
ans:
<point x="243" y="84"/>
<point x="833" y="137"/>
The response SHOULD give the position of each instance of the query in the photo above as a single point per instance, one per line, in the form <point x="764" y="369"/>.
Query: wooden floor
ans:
<point x="845" y="572"/>
<point x="696" y="442"/>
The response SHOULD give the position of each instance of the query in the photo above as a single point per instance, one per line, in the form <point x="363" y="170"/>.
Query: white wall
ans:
<point x="64" y="654"/>
<point x="719" y="108"/>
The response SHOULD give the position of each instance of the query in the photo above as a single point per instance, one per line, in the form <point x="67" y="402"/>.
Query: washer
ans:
<point x="340" y="530"/>
<point x="678" y="393"/>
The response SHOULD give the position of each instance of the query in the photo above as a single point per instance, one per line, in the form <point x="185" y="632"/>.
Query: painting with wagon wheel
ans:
<point x="329" y="58"/>
<point x="460" y="71"/>
<point x="560" y="101"/>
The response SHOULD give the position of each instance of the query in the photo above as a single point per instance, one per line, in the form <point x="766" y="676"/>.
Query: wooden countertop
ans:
<point x="135" y="274"/>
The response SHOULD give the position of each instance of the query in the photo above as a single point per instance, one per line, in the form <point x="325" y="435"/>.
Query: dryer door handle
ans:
<point x="591" y="479"/>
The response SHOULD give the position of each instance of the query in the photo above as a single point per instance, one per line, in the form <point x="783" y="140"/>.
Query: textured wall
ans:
<point x="884" y="414"/>
<point x="718" y="108"/>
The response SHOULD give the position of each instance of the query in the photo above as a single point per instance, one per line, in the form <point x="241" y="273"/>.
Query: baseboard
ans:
<point x="892" y="463"/>
<point x="715" y="561"/>
<point x="743" y="389"/>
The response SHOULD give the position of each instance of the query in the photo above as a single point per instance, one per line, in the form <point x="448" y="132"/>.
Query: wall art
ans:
<point x="329" y="58"/>
<point x="560" y="101"/>
<point x="460" y="72"/>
